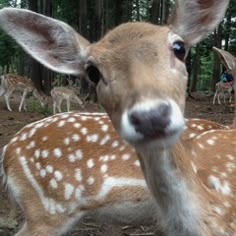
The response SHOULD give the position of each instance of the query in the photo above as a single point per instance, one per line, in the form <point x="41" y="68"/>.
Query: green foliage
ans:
<point x="33" y="105"/>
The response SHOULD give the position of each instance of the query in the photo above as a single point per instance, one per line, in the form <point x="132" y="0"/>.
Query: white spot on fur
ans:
<point x="53" y="183"/>
<point x="38" y="165"/>
<point x="115" y="144"/>
<point x="18" y="151"/>
<point x="104" y="168"/>
<point x="45" y="138"/>
<point x="30" y="145"/>
<point x="218" y="210"/>
<point x="71" y="120"/>
<point x="105" y="139"/>
<point x="32" y="132"/>
<point x="49" y="169"/>
<point x="194" y="167"/>
<point x="78" y="175"/>
<point x="90" y="180"/>
<point x="211" y="142"/>
<point x="192" y="135"/>
<point x="125" y="157"/>
<point x="90" y="163"/>
<point x="37" y="153"/>
<point x="100" y="122"/>
<point x="230" y="157"/>
<point x="13" y="140"/>
<point x="75" y="137"/>
<point x="67" y="141"/>
<point x="105" y="128"/>
<point x="199" y="127"/>
<point x="57" y="152"/>
<point x="71" y="158"/>
<point x="44" y="154"/>
<point x="84" y="131"/>
<point x="58" y="175"/>
<point x="84" y="118"/>
<point x="200" y="146"/>
<point x="137" y="163"/>
<point x="215" y="183"/>
<point x="61" y="123"/>
<point x="79" y="154"/>
<point x="23" y="137"/>
<point x="227" y="204"/>
<point x="78" y="194"/>
<point x="92" y="138"/>
<point x="69" y="189"/>
<point x="43" y="173"/>
<point x="104" y="158"/>
<point x="77" y="125"/>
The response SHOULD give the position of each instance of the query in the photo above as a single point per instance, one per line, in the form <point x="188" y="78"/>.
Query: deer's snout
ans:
<point x="160" y="120"/>
<point x="153" y="122"/>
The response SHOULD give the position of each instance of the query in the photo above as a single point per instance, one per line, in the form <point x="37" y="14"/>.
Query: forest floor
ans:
<point x="11" y="122"/>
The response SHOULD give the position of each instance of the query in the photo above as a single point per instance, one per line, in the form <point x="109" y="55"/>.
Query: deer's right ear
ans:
<point x="227" y="59"/>
<point x="53" y="43"/>
<point x="193" y="20"/>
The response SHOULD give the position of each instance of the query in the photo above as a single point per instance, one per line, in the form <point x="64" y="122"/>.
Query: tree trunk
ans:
<point x="35" y="67"/>
<point x="138" y="10"/>
<point x="195" y="70"/>
<point x="166" y="9"/>
<point x="155" y="12"/>
<point x="83" y="18"/>
<point x="21" y="65"/>
<point x="216" y="65"/>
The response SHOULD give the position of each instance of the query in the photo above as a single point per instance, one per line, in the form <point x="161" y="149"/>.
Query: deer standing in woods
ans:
<point x="11" y="83"/>
<point x="221" y="90"/>
<point x="229" y="61"/>
<point x="142" y="87"/>
<point x="63" y="93"/>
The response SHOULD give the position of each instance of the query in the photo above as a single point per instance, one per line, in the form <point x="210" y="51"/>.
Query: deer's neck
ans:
<point x="171" y="189"/>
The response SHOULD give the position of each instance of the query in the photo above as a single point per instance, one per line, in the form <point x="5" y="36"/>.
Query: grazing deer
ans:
<point x="62" y="93"/>
<point x="11" y="83"/>
<point x="229" y="62"/>
<point x="142" y="87"/>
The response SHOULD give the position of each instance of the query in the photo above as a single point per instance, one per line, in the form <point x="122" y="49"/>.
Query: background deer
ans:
<point x="229" y="62"/>
<point x="223" y="90"/>
<point x="11" y="83"/>
<point x="146" y="111"/>
<point x="62" y="93"/>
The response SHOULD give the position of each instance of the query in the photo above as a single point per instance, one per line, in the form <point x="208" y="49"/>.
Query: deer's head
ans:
<point x="138" y="68"/>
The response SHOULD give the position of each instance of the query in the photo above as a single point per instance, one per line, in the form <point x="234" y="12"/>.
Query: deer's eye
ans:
<point x="179" y="50"/>
<point x="93" y="74"/>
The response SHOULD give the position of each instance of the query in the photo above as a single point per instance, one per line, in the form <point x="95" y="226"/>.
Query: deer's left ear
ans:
<point x="193" y="20"/>
<point x="52" y="42"/>
<point x="227" y="59"/>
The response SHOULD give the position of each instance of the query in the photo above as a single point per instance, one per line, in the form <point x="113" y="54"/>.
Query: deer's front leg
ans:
<point x="7" y="97"/>
<point x="23" y="101"/>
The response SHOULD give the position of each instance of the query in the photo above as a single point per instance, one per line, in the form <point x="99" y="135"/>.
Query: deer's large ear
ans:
<point x="195" y="19"/>
<point x="226" y="58"/>
<point x="53" y="43"/>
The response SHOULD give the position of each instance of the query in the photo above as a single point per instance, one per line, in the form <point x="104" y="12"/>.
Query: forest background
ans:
<point x="93" y="18"/>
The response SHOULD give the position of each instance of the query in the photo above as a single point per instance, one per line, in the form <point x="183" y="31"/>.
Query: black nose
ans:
<point x="151" y="122"/>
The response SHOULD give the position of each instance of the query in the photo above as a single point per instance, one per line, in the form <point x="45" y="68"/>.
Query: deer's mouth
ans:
<point x="160" y="122"/>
